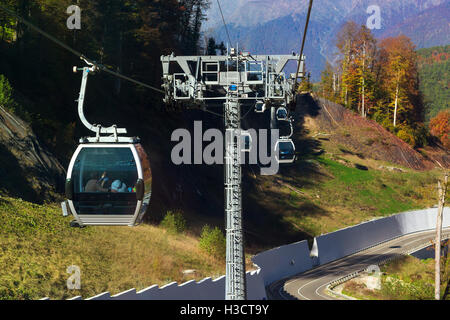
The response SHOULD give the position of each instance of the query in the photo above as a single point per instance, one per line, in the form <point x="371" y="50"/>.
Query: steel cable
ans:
<point x="61" y="44"/>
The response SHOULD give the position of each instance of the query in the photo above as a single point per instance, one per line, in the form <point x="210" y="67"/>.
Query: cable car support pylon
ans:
<point x="235" y="81"/>
<point x="235" y="286"/>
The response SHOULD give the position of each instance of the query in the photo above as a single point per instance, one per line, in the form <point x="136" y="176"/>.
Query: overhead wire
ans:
<point x="119" y="75"/>
<point x="212" y="112"/>
<point x="224" y="23"/>
<point x="79" y="54"/>
<point x="303" y="43"/>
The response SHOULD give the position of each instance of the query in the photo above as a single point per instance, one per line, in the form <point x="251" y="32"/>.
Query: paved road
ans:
<point x="311" y="285"/>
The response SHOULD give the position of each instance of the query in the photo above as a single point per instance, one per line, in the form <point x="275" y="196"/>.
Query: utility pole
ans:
<point x="442" y="190"/>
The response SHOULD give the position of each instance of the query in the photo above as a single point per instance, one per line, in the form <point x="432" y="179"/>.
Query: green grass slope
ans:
<point x="331" y="186"/>
<point x="340" y="194"/>
<point x="407" y="278"/>
<point x="37" y="245"/>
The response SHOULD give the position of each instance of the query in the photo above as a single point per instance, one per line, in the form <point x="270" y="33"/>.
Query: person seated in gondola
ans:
<point x="103" y="181"/>
<point x="118" y="186"/>
<point x="96" y="185"/>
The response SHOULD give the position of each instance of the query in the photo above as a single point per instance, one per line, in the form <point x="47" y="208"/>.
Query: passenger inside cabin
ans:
<point x="118" y="186"/>
<point x="96" y="185"/>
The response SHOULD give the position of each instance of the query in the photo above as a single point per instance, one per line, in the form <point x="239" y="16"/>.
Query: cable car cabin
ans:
<point x="109" y="184"/>
<point x="246" y="141"/>
<point x="286" y="151"/>
<point x="282" y="113"/>
<point x="260" y="106"/>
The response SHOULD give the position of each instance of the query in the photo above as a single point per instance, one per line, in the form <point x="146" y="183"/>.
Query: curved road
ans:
<point x="311" y="285"/>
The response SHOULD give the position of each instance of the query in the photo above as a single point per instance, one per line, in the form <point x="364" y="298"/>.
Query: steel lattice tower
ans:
<point x="252" y="79"/>
<point x="235" y="288"/>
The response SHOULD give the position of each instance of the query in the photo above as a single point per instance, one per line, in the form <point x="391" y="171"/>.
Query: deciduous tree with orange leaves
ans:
<point x="378" y="80"/>
<point x="398" y="61"/>
<point x="440" y="127"/>
<point x="357" y="51"/>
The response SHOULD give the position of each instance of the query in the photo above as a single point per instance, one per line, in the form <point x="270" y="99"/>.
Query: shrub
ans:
<point x="416" y="136"/>
<point x="8" y="102"/>
<point x="174" y="222"/>
<point x="379" y="114"/>
<point x="388" y="125"/>
<point x="6" y="91"/>
<point x="406" y="136"/>
<point x="369" y="142"/>
<point x="398" y="290"/>
<point x="213" y="241"/>
<point x="421" y="135"/>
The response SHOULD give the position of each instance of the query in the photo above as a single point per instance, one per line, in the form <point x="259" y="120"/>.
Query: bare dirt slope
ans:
<point x="365" y="138"/>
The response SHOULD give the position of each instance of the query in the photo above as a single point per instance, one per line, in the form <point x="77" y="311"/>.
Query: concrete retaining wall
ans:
<point x="341" y="243"/>
<point x="284" y="261"/>
<point x="276" y="263"/>
<point x="338" y="244"/>
<point x="291" y="259"/>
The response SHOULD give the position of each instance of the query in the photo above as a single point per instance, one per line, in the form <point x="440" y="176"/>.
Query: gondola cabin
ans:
<point x="286" y="151"/>
<point x="260" y="106"/>
<point x="282" y="113"/>
<point x="246" y="141"/>
<point x="109" y="184"/>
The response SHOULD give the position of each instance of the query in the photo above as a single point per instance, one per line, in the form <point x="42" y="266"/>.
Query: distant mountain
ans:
<point x="429" y="28"/>
<point x="280" y="36"/>
<point x="277" y="26"/>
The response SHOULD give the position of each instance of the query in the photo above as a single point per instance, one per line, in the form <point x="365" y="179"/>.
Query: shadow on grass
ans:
<point x="361" y="167"/>
<point x="265" y="218"/>
<point x="200" y="187"/>
<point x="345" y="151"/>
<point x="267" y="212"/>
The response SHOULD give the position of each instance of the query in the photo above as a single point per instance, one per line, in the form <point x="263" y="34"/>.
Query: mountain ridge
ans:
<point x="260" y="26"/>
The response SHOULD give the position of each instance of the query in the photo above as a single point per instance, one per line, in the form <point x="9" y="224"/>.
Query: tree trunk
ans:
<point x="437" y="253"/>
<point x="396" y="102"/>
<point x="346" y="92"/>
<point x="334" y="83"/>
<point x="359" y="103"/>
<point x="338" y="84"/>
<point x="363" y="110"/>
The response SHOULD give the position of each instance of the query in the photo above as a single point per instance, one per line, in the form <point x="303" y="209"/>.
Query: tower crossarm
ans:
<point x="198" y="79"/>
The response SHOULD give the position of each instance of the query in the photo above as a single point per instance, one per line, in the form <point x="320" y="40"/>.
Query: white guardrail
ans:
<point x="288" y="260"/>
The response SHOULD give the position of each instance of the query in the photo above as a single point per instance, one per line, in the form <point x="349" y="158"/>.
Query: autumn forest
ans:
<point x="380" y="79"/>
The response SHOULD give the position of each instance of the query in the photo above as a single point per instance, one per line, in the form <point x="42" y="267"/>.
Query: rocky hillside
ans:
<point x="27" y="169"/>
